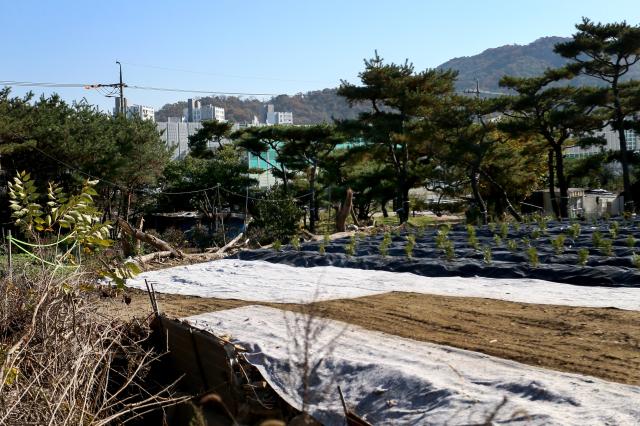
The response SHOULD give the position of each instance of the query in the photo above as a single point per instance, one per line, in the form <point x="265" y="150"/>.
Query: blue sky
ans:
<point x="277" y="46"/>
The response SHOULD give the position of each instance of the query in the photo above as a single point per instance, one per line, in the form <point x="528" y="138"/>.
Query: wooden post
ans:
<point x="10" y="260"/>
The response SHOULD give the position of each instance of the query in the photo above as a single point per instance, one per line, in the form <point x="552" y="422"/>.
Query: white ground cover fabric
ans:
<point x="261" y="281"/>
<point x="392" y="380"/>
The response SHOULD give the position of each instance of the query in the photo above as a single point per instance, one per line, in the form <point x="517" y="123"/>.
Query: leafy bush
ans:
<point x="614" y="229"/>
<point x="635" y="260"/>
<point x="277" y="245"/>
<point x="276" y="217"/>
<point x="512" y="245"/>
<point x="497" y="240"/>
<point x="175" y="237"/>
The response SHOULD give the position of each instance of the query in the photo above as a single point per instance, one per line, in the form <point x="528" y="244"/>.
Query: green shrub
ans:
<point x="276" y="216"/>
<point x="326" y="239"/>
<point x="606" y="245"/>
<point x="512" y="245"/>
<point x="349" y="249"/>
<point x="631" y="241"/>
<point x="449" y="251"/>
<point x="321" y="248"/>
<point x="472" y="237"/>
<point x="574" y="230"/>
<point x="408" y="248"/>
<point x="175" y="237"/>
<point x="596" y="239"/>
<point x="295" y="243"/>
<point x="504" y="230"/>
<point x="583" y="256"/>
<point x="487" y="255"/>
<point x="384" y="245"/>
<point x="532" y="255"/>
<point x="497" y="240"/>
<point x="516" y="226"/>
<point x="536" y="233"/>
<point x="492" y="227"/>
<point x="558" y="243"/>
<point x="277" y="245"/>
<point x="635" y="259"/>
<point x="614" y="229"/>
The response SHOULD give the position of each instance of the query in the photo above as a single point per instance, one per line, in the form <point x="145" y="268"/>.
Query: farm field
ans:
<point x="543" y="332"/>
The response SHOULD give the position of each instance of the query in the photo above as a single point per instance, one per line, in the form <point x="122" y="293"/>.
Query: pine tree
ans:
<point x="607" y="52"/>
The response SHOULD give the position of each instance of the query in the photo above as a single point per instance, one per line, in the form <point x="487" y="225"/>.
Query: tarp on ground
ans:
<point x="390" y="380"/>
<point x="262" y="281"/>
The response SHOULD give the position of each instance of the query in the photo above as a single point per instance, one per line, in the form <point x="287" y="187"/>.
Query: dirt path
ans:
<point x="603" y="343"/>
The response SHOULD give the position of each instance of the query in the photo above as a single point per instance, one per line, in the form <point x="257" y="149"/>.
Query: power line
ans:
<point x="154" y="192"/>
<point x="96" y="86"/>
<point x="219" y="74"/>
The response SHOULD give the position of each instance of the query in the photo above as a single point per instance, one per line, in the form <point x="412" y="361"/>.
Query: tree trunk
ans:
<point x="562" y="183"/>
<point x="474" y="178"/>
<point x="624" y="153"/>
<point x="505" y="196"/>
<point x="312" y="201"/>
<point x="552" y="185"/>
<point x="344" y="211"/>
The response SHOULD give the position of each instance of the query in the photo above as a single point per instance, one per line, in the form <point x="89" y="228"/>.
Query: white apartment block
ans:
<point x="277" y="117"/>
<point x="144" y="112"/>
<point x="612" y="143"/>
<point x="176" y="134"/>
<point x="195" y="112"/>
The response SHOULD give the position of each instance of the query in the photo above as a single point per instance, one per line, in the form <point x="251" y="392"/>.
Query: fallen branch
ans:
<point x="149" y="239"/>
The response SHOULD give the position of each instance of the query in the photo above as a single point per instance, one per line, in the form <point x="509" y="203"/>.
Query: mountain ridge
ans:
<point x="487" y="67"/>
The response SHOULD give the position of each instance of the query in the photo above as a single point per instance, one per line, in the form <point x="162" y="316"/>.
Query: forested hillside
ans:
<point x="322" y="105"/>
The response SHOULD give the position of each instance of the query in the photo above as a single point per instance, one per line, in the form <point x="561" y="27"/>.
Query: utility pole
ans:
<point x="121" y="89"/>
<point x="110" y="90"/>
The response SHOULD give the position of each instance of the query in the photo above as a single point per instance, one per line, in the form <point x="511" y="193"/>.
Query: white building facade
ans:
<point x="176" y="135"/>
<point x="612" y="144"/>
<point x="144" y="112"/>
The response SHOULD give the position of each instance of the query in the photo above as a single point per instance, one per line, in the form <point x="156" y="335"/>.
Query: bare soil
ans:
<point x="600" y="342"/>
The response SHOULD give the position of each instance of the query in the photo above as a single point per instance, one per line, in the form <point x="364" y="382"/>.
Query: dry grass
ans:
<point x="64" y="364"/>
